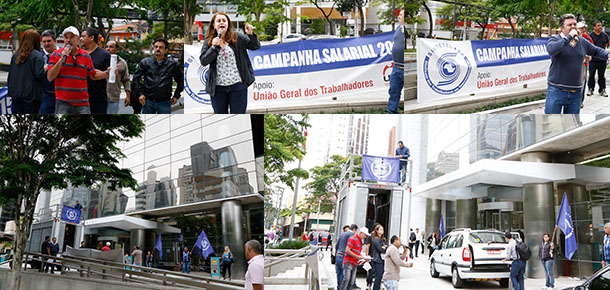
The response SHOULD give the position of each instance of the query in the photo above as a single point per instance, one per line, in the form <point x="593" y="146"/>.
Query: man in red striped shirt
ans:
<point x="70" y="68"/>
<point x="353" y="258"/>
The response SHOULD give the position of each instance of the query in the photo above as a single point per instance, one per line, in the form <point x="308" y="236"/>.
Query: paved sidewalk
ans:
<point x="419" y="277"/>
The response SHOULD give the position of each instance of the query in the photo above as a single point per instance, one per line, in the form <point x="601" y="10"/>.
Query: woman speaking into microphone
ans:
<point x="230" y="72"/>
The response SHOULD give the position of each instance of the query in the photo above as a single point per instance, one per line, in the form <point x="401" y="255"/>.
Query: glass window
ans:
<point x="487" y="237"/>
<point x="445" y="242"/>
<point x="601" y="282"/>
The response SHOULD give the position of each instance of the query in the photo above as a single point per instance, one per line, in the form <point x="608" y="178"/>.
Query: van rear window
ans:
<point x="487" y="237"/>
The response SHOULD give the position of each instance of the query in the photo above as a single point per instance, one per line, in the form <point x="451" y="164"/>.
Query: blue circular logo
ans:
<point x="446" y="69"/>
<point x="195" y="81"/>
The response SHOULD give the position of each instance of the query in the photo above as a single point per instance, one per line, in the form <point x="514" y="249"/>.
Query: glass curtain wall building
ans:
<point x="510" y="172"/>
<point x="194" y="172"/>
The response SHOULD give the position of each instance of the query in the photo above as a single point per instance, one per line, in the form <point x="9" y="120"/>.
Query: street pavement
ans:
<point x="419" y="277"/>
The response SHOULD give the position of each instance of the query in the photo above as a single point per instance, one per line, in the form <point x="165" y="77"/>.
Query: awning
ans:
<point x="128" y="223"/>
<point x="474" y="180"/>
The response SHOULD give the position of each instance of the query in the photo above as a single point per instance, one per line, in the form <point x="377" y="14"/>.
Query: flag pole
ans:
<point x="554" y="230"/>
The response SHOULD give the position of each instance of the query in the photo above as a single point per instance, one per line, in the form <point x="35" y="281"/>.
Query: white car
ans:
<point x="466" y="254"/>
<point x="289" y="38"/>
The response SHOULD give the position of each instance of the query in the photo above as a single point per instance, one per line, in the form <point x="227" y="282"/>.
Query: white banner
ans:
<point x="303" y="73"/>
<point x="448" y="69"/>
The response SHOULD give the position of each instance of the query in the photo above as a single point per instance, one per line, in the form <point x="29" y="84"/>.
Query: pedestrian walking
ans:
<point x="227" y="261"/>
<point x="422" y="243"/>
<point x="353" y="258"/>
<point x="255" y="274"/>
<point x="393" y="262"/>
<point x="25" y="75"/>
<point x="598" y="64"/>
<point x="340" y="247"/>
<point x="329" y="242"/>
<point x="417" y="240"/>
<point x="433" y="242"/>
<point x="517" y="267"/>
<point x="545" y="253"/>
<point x="231" y="73"/>
<point x="379" y="247"/>
<point x="367" y="250"/>
<point x="412" y="239"/>
<point x="606" y="247"/>
<point x="186" y="261"/>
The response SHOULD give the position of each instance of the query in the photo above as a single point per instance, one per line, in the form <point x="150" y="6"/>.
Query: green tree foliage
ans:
<point x="175" y="30"/>
<point x="284" y="139"/>
<point x="131" y="52"/>
<point x="476" y="11"/>
<point x="43" y="152"/>
<point x="318" y="26"/>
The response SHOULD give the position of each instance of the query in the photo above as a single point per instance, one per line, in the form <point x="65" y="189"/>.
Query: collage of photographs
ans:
<point x="304" y="144"/>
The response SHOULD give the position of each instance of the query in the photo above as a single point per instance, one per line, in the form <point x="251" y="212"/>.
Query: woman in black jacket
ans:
<point x="378" y="246"/>
<point x="25" y="75"/>
<point x="230" y="72"/>
<point x="545" y="254"/>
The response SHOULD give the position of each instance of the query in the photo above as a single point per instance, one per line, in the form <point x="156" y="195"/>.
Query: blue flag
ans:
<point x="441" y="227"/>
<point x="159" y="247"/>
<point x="70" y="214"/>
<point x="204" y="245"/>
<point x="564" y="222"/>
<point x="384" y="169"/>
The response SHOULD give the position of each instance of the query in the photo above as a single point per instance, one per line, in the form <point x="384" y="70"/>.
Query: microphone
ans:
<point x="68" y="47"/>
<point x="219" y="33"/>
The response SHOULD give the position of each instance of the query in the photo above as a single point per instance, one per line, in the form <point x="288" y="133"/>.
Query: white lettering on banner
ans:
<point x="510" y="52"/>
<point x="316" y="57"/>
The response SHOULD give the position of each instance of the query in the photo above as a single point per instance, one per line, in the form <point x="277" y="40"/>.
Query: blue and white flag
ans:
<point x="564" y="222"/>
<point x="384" y="169"/>
<point x="70" y="214"/>
<point x="441" y="227"/>
<point x="204" y="245"/>
<point x="159" y="247"/>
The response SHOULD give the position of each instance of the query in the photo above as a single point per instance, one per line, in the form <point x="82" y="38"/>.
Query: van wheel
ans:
<point x="433" y="271"/>
<point x="455" y="278"/>
<point x="504" y="282"/>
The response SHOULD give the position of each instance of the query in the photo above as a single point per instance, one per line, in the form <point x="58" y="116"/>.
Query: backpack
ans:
<point x="412" y="237"/>
<point x="523" y="250"/>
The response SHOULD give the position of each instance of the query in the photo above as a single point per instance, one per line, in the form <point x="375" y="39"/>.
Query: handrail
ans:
<point x="163" y="276"/>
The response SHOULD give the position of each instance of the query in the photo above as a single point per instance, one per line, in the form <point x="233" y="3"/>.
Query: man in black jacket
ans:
<point x="153" y="80"/>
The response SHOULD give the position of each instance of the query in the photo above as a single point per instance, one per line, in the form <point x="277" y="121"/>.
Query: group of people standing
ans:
<point x="74" y="79"/>
<point x="355" y="247"/>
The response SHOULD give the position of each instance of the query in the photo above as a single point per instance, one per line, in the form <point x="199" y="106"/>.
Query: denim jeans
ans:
<point x="378" y="274"/>
<point x="113" y="108"/>
<point x="517" y="269"/>
<point x="149" y="264"/>
<point x="164" y="107"/>
<point x="349" y="276"/>
<point x="558" y="101"/>
<point x="20" y="106"/>
<point x="48" y="104"/>
<point x="63" y="107"/>
<point x="397" y="83"/>
<point x="403" y="173"/>
<point x="233" y="98"/>
<point x="339" y="270"/>
<point x="548" y="272"/>
<point x="391" y="284"/>
<point x="186" y="268"/>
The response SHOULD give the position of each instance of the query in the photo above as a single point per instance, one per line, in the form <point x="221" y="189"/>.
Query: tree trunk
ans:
<point x="326" y="16"/>
<point x="429" y="19"/>
<point x="101" y="30"/>
<point x="551" y="4"/>
<point x="165" y="15"/>
<point x="361" y="12"/>
<point x="88" y="16"/>
<point x="512" y="26"/>
<point x="23" y="225"/>
<point x="76" y="14"/>
<point x="188" y="21"/>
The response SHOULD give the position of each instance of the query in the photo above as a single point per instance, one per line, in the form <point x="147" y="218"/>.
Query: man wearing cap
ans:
<point x="70" y="68"/>
<point x="567" y="51"/>
<point x="98" y="96"/>
<point x="582" y="32"/>
<point x="353" y="258"/>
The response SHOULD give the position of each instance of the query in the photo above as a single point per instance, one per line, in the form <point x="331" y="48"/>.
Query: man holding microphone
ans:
<point x="69" y="67"/>
<point x="565" y="82"/>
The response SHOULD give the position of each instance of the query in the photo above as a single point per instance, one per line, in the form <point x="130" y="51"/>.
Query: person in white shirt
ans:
<point x="256" y="263"/>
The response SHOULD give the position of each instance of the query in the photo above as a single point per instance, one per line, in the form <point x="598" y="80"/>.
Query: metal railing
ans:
<point x="93" y="268"/>
<point x="309" y="256"/>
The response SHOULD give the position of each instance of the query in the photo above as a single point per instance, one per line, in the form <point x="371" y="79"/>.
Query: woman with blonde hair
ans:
<point x="25" y="75"/>
<point x="231" y="72"/>
<point x="227" y="260"/>
<point x="378" y="246"/>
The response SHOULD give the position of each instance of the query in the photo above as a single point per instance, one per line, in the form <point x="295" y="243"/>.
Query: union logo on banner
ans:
<point x="446" y="68"/>
<point x="195" y="76"/>
<point x="383" y="169"/>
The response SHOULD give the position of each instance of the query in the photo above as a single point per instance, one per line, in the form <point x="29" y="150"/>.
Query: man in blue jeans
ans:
<point x="565" y="82"/>
<point x="517" y="268"/>
<point x="153" y="80"/>
<point x="397" y="78"/>
<point x="402" y="152"/>
<point x="186" y="261"/>
<point x="340" y="246"/>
